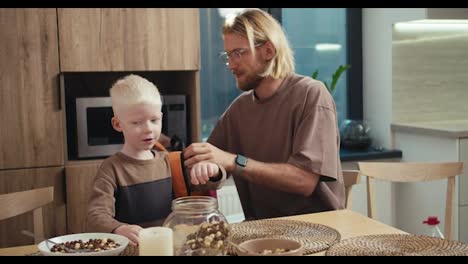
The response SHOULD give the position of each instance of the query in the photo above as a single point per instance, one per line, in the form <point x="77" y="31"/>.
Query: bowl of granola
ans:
<point x="84" y="244"/>
<point x="270" y="247"/>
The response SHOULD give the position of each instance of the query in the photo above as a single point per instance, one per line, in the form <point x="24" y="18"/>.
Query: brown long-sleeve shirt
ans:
<point x="131" y="191"/>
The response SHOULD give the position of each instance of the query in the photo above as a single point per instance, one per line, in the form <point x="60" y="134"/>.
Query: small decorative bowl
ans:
<point x="270" y="247"/>
<point x="355" y="135"/>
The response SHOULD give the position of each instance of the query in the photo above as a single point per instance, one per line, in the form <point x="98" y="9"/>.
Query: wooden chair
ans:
<point x="350" y="178"/>
<point x="13" y="204"/>
<point x="413" y="172"/>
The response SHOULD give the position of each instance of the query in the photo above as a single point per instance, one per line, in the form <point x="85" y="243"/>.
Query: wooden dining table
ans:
<point x="348" y="223"/>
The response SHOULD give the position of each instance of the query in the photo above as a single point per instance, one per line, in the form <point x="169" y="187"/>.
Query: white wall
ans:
<point x="377" y="66"/>
<point x="377" y="90"/>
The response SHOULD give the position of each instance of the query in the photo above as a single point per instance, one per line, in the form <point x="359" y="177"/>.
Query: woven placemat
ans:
<point x="397" y="245"/>
<point x="314" y="237"/>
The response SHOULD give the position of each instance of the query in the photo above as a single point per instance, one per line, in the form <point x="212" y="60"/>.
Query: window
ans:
<point x="321" y="38"/>
<point x="217" y="85"/>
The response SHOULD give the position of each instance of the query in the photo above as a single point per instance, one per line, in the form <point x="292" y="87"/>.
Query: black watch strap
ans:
<point x="217" y="178"/>
<point x="241" y="163"/>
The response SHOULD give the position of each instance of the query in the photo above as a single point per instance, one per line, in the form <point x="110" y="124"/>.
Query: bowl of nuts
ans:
<point x="270" y="247"/>
<point x="84" y="244"/>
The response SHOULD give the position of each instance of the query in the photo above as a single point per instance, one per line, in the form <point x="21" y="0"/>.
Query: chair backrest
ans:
<point x="13" y="204"/>
<point x="350" y="178"/>
<point x="413" y="172"/>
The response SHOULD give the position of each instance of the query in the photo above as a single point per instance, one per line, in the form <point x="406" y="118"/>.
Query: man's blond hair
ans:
<point x="259" y="27"/>
<point x="131" y="90"/>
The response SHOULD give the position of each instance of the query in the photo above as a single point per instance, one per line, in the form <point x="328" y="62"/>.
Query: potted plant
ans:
<point x="335" y="77"/>
<point x="354" y="134"/>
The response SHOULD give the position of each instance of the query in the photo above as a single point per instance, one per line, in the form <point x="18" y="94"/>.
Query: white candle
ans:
<point x="156" y="241"/>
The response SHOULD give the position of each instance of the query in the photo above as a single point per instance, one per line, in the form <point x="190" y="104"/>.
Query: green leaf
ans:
<point x="315" y="74"/>
<point x="336" y="76"/>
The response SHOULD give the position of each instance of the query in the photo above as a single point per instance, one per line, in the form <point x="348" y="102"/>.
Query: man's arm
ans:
<point x="280" y="176"/>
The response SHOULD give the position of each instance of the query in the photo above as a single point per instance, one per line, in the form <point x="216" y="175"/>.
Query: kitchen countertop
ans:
<point x="370" y="153"/>
<point x="446" y="128"/>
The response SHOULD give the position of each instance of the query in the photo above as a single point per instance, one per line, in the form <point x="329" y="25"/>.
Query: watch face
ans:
<point x="241" y="160"/>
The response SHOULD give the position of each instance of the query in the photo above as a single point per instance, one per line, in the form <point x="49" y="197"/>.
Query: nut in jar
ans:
<point x="199" y="228"/>
<point x="210" y="239"/>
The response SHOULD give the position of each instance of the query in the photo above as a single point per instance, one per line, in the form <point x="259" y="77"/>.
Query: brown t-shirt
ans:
<point x="296" y="125"/>
<point x="131" y="191"/>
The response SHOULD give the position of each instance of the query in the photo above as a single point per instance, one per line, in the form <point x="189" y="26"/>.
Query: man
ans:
<point x="279" y="138"/>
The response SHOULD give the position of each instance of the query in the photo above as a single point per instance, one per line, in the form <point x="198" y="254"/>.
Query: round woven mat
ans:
<point x="314" y="237"/>
<point x="397" y="245"/>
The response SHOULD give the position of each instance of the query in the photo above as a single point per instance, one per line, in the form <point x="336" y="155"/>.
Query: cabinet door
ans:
<point x="31" y="134"/>
<point x="79" y="181"/>
<point x="54" y="214"/>
<point x="463" y="182"/>
<point x="140" y="39"/>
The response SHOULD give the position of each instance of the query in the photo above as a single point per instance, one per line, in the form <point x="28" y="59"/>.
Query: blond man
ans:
<point x="279" y="139"/>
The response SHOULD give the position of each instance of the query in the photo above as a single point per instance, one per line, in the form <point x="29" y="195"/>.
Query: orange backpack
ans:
<point x="180" y="182"/>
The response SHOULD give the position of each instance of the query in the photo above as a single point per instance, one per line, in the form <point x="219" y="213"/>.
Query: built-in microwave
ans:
<point x="95" y="136"/>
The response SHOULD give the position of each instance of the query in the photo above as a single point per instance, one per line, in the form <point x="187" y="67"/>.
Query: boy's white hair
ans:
<point x="131" y="90"/>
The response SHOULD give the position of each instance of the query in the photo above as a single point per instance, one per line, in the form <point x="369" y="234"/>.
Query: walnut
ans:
<point x="209" y="238"/>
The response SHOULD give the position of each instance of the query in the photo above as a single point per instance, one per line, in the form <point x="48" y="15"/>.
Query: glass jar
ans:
<point x="198" y="227"/>
<point x="355" y="134"/>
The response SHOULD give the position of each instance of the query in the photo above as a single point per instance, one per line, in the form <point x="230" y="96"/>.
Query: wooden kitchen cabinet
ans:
<point x="129" y="39"/>
<point x="79" y="180"/>
<point x="54" y="214"/>
<point x="31" y="134"/>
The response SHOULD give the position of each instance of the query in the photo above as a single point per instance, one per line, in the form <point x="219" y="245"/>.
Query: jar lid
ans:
<point x="194" y="204"/>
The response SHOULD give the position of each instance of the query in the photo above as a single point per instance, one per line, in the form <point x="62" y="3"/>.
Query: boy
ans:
<point x="133" y="188"/>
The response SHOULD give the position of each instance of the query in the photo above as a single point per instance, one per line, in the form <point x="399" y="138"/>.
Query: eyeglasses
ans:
<point x="234" y="55"/>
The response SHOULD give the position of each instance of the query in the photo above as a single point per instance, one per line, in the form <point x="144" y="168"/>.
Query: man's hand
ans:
<point x="202" y="171"/>
<point x="129" y="231"/>
<point x="198" y="152"/>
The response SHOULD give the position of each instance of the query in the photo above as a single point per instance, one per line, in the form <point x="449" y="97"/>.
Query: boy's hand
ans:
<point x="202" y="171"/>
<point x="129" y="231"/>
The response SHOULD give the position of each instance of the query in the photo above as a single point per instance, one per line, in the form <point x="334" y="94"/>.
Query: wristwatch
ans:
<point x="241" y="163"/>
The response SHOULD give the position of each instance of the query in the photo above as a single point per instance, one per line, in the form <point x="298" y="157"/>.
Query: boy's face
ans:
<point x="140" y="125"/>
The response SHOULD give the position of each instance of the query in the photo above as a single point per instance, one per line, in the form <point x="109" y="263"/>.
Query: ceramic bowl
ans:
<point x="271" y="247"/>
<point x="45" y="246"/>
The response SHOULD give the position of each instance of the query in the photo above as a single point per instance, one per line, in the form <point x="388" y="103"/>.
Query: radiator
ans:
<point x="229" y="204"/>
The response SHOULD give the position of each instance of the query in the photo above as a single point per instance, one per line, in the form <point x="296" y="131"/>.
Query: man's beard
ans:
<point x="251" y="82"/>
